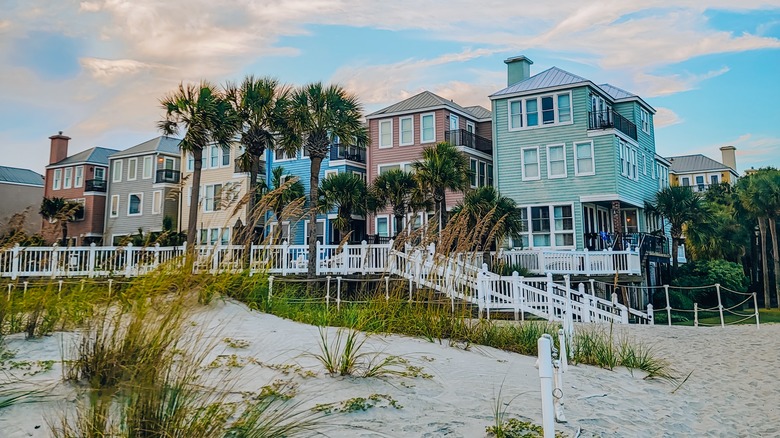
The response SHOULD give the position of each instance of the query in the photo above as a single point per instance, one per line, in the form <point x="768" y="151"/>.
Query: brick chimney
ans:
<point x="518" y="68"/>
<point x="59" y="148"/>
<point x="729" y="156"/>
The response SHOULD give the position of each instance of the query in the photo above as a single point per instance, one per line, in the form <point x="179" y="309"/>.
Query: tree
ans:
<point x="259" y="105"/>
<point x="442" y="167"/>
<point x="60" y="210"/>
<point x="346" y="192"/>
<point x="396" y="188"/>
<point x="492" y="216"/>
<point x="316" y="116"/>
<point x="288" y="188"/>
<point x="681" y="207"/>
<point x="208" y="119"/>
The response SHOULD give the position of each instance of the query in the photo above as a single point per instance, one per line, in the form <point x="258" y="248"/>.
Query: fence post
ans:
<point x="327" y="292"/>
<point x="252" y="247"/>
<point x="55" y="262"/>
<point x="417" y="266"/>
<point x="586" y="261"/>
<point x="515" y="294"/>
<point x="544" y="363"/>
<point x="586" y="301"/>
<point x="650" y="314"/>
<point x="560" y="365"/>
<point x="215" y="258"/>
<point x="592" y="286"/>
<point x="110" y="284"/>
<point x="15" y="262"/>
<point x="338" y="293"/>
<point x="387" y="288"/>
<point x="720" y="304"/>
<point x="156" y="255"/>
<point x="130" y="260"/>
<point x="522" y="298"/>
<point x="550" y="293"/>
<point x="480" y="294"/>
<point x="285" y="257"/>
<point x="363" y="257"/>
<point x="270" y="286"/>
<point x="569" y="315"/>
<point x="668" y="307"/>
<point x="91" y="260"/>
<point x="755" y="306"/>
<point x="317" y="258"/>
<point x="695" y="314"/>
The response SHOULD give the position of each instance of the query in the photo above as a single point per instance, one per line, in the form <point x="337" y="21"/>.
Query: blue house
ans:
<point x="340" y="159"/>
<point x="578" y="158"/>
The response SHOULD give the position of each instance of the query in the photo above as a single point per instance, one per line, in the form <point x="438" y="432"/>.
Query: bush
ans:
<point x="707" y="273"/>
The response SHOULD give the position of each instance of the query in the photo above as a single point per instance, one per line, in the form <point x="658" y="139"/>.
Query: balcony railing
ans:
<point x="461" y="137"/>
<point x="167" y="176"/>
<point x="95" y="185"/>
<point x="611" y="119"/>
<point x="351" y="153"/>
<point x="646" y="242"/>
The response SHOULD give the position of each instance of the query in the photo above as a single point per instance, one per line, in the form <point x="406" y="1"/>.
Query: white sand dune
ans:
<point x="734" y="389"/>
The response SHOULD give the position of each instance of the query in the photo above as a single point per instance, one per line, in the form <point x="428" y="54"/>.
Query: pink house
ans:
<point x="399" y="133"/>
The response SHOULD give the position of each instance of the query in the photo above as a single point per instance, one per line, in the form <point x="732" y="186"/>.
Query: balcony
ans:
<point x="611" y="120"/>
<point x="645" y="241"/>
<point x="351" y="153"/>
<point x="167" y="176"/>
<point x="95" y="185"/>
<point x="461" y="137"/>
<point x="238" y="168"/>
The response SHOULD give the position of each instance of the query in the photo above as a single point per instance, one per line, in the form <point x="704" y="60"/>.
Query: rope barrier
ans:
<point x="740" y="320"/>
<point x="735" y="292"/>
<point x="742" y="314"/>
<point x="739" y="304"/>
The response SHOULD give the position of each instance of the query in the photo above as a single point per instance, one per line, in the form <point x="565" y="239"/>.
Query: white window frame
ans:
<point x="474" y="167"/>
<point x="306" y="229"/>
<point x="284" y="158"/>
<point x="539" y="113"/>
<point x="83" y="202"/>
<point x="214" y="149"/>
<point x="330" y="172"/>
<point x="422" y="129"/>
<point x="56" y="179"/>
<point x="401" y="141"/>
<point x="213" y="205"/>
<point x="272" y="230"/>
<point x="553" y="231"/>
<point x="224" y="153"/>
<point x="157" y="202"/>
<point x="549" y="164"/>
<point x="379" y="167"/>
<point x="510" y="115"/>
<point x="147" y="171"/>
<point x="103" y="172"/>
<point x="190" y="162"/>
<point x="67" y="178"/>
<point x="132" y="169"/>
<point x="113" y="210"/>
<point x="140" y="204"/>
<point x="78" y="176"/>
<point x="116" y="171"/>
<point x="389" y="225"/>
<point x="577" y="171"/>
<point x="644" y="120"/>
<point x="538" y="164"/>
<point x="382" y="133"/>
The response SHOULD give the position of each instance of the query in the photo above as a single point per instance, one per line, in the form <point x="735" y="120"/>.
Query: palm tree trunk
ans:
<point x="192" y="222"/>
<point x="675" y="249"/>
<point x="64" y="228"/>
<point x="251" y="214"/>
<point x="764" y="262"/>
<point x="775" y="258"/>
<point x="314" y="185"/>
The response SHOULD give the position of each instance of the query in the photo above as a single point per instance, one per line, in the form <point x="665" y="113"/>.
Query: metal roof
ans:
<point x="479" y="112"/>
<point x="695" y="163"/>
<point x="552" y="77"/>
<point x="426" y="100"/>
<point x="162" y="143"/>
<point x="15" y="175"/>
<point x="96" y="155"/>
<point x="615" y="92"/>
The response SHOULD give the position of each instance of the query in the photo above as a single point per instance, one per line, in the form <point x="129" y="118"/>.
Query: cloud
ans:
<point x="89" y="6"/>
<point x="109" y="70"/>
<point x="753" y="150"/>
<point x="665" y="117"/>
<point x="654" y="85"/>
<point x="5" y="24"/>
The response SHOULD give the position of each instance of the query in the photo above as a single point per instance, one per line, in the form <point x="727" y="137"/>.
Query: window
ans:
<point x="473" y="172"/>
<point x="547" y="226"/>
<point x="700" y="182"/>
<point x="279" y="234"/>
<point x="214" y="156"/>
<point x="686" y="181"/>
<point x="156" y="201"/>
<point x="629" y="160"/>
<point x="320" y="231"/>
<point x="583" y="159"/>
<point x="382" y="228"/>
<point x="548" y="110"/>
<point x="644" y="159"/>
<point x="564" y="108"/>
<point x="55" y="184"/>
<point x="305" y="152"/>
<point x="714" y="179"/>
<point x="328" y="173"/>
<point x="644" y="120"/>
<point x="634" y="161"/>
<point x="556" y="161"/>
<point x="190" y="162"/>
<point x="427" y="128"/>
<point x="540" y="226"/>
<point x="100" y="174"/>
<point x="79" y="215"/>
<point x="225" y="157"/>
<point x="490" y="174"/>
<point x="134" y="204"/>
<point x="213" y="199"/>
<point x="482" y="173"/>
<point x="623" y="159"/>
<point x="280" y="155"/>
<point x="360" y="174"/>
<point x="516" y="114"/>
<point x="554" y="108"/>
<point x="116" y="171"/>
<point x="385" y="133"/>
<point x="532" y="112"/>
<point x="530" y="163"/>
<point x="564" y="225"/>
<point x="132" y="169"/>
<point x="147" y="172"/>
<point x="66" y="184"/>
<point x="213" y="236"/>
<point x="225" y="236"/>
<point x="79" y="179"/>
<point x="405" y="131"/>
<point x="388" y="167"/>
<point x="114" y="211"/>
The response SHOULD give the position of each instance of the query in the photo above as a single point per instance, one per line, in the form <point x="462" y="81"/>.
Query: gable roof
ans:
<point x="616" y="93"/>
<point x="479" y="112"/>
<point x="96" y="155"/>
<point x="162" y="143"/>
<point x="426" y="100"/>
<point x="695" y="163"/>
<point x="552" y="77"/>
<point x="15" y="175"/>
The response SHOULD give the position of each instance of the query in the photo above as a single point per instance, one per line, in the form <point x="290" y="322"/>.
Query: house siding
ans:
<point x="94" y="204"/>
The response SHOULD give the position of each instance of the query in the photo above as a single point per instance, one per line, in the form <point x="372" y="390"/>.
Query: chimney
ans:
<point x="59" y="148"/>
<point x="518" y="68"/>
<point x="729" y="156"/>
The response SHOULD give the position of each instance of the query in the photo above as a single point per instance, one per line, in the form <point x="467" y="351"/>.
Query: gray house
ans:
<point x="143" y="189"/>
<point x="21" y="191"/>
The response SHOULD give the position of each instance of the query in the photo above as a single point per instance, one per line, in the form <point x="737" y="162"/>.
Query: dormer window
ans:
<point x="547" y="110"/>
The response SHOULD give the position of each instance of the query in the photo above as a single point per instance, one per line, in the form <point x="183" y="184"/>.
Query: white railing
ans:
<point x="574" y="262"/>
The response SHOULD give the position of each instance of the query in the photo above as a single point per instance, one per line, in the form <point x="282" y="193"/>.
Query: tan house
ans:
<point x="21" y="191"/>
<point x="700" y="172"/>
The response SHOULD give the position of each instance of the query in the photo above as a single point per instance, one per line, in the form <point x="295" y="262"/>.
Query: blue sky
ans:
<point x="96" y="69"/>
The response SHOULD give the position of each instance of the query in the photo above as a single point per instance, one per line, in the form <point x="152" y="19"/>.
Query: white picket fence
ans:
<point x="574" y="262"/>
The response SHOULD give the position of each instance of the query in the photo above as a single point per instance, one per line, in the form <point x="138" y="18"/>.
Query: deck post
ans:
<point x="550" y="293"/>
<point x="130" y="264"/>
<point x="156" y="255"/>
<point x="338" y="293"/>
<point x="285" y="257"/>
<point x="650" y="314"/>
<point x="668" y="307"/>
<point x="544" y="363"/>
<point x="515" y="295"/>
<point x="55" y="255"/>
<point x="363" y="259"/>
<point x="317" y="252"/>
<point x="270" y="287"/>
<point x="15" y="261"/>
<point x="592" y="287"/>
<point x="586" y="301"/>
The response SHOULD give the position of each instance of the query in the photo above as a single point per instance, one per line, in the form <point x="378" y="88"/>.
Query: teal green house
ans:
<point x="578" y="158"/>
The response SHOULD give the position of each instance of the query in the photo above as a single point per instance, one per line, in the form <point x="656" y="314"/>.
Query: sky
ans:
<point x="97" y="69"/>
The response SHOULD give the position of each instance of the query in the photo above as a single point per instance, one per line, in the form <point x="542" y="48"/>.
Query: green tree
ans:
<point x="317" y="115"/>
<point x="398" y="189"/>
<point x="286" y="188"/>
<point x="259" y="105"/>
<point x="60" y="210"/>
<point x="346" y="192"/>
<point x="442" y="167"/>
<point x="492" y="216"/>
<point x="207" y="117"/>
<point x="681" y="207"/>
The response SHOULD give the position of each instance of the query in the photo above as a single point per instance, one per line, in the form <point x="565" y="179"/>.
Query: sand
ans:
<point x="734" y="389"/>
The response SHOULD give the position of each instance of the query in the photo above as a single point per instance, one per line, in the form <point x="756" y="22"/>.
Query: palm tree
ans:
<point x="207" y="117"/>
<point x="347" y="193"/>
<point x="259" y="105"/>
<point x="60" y="210"/>
<point x="494" y="217"/>
<point x="397" y="188"/>
<point x="289" y="189"/>
<point x="443" y="167"/>
<point x="681" y="207"/>
<point x="317" y="116"/>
